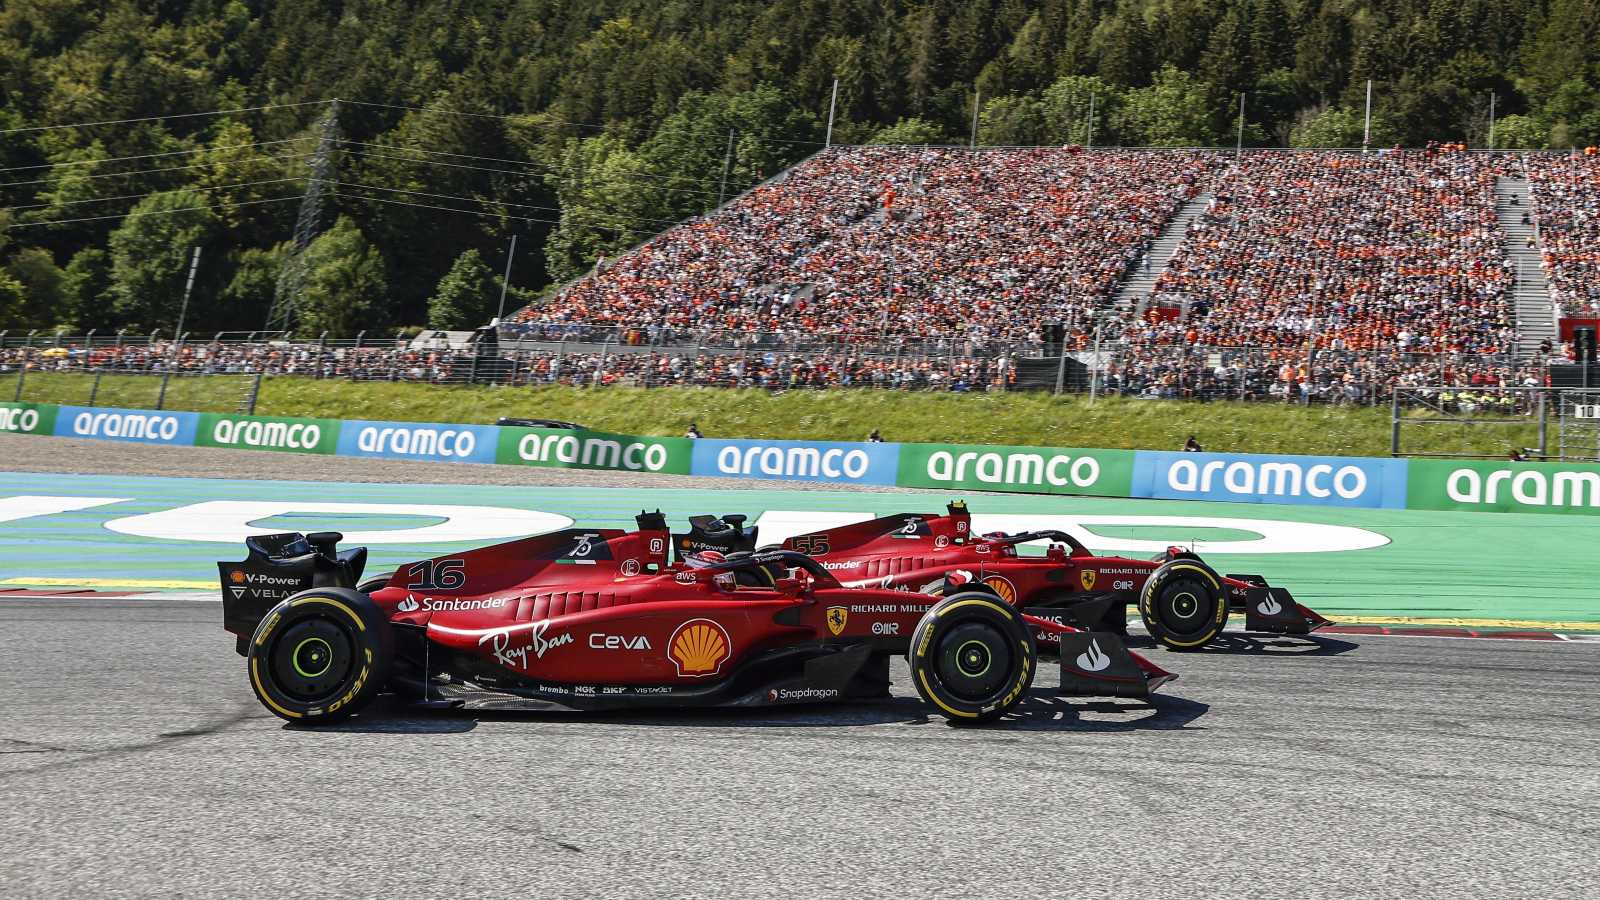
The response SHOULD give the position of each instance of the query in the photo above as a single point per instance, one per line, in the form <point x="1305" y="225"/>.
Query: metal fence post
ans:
<point x="255" y="392"/>
<point x="1394" y="423"/>
<point x="94" y="386"/>
<point x="1544" y="422"/>
<point x="22" y="376"/>
<point x="322" y="353"/>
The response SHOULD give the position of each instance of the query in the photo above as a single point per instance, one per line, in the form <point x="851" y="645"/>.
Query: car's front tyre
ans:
<point x="972" y="657"/>
<point x="320" y="655"/>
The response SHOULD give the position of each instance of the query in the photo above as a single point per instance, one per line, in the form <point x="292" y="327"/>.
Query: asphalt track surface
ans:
<point x="134" y="761"/>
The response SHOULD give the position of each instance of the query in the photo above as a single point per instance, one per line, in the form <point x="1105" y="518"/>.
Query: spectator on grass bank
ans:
<point x="1192" y="446"/>
<point x="874" y="437"/>
<point x="693" y="433"/>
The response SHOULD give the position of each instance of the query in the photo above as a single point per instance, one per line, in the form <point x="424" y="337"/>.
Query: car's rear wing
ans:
<point x="277" y="566"/>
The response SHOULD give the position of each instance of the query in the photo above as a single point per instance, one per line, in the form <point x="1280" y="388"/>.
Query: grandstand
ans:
<point x="1306" y="276"/>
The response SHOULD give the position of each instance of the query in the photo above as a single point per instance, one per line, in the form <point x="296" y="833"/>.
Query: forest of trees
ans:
<point x="584" y="126"/>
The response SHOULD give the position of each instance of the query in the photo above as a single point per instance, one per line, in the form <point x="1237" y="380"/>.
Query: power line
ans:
<point x="591" y="125"/>
<point x="556" y="209"/>
<point x="155" y="212"/>
<point x="552" y="169"/>
<point x="217" y="112"/>
<point x="470" y="212"/>
<point x="154" y="171"/>
<point x="148" y="194"/>
<point x="111" y="159"/>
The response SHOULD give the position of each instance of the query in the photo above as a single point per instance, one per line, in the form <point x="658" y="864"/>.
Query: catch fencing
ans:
<point x="589" y="356"/>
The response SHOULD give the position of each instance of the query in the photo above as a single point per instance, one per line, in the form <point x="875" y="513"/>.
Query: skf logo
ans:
<point x="1003" y="587"/>
<point x="698" y="648"/>
<point x="1086" y="577"/>
<point x="236" y="576"/>
<point x="837" y="616"/>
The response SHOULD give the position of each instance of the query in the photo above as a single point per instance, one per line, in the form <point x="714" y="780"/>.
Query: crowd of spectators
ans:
<point x="1396" y="251"/>
<point x="863" y="245"/>
<point x="1566" y="201"/>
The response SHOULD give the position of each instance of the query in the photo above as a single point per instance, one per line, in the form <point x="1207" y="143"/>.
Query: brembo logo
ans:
<point x="137" y="426"/>
<point x="1058" y="469"/>
<point x="805" y="462"/>
<point x="417" y="441"/>
<point x="252" y="433"/>
<point x="19" y="419"/>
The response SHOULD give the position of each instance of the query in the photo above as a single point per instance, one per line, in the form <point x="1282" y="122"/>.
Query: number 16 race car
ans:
<point x="600" y="619"/>
<point x="1184" y="603"/>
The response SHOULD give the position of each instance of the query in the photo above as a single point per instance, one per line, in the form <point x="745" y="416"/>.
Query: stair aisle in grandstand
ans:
<point x="1135" y="289"/>
<point x="1531" y="293"/>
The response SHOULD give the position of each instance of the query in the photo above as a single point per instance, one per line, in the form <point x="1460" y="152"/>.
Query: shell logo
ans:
<point x="236" y="576"/>
<point x="698" y="648"/>
<point x="1003" y="587"/>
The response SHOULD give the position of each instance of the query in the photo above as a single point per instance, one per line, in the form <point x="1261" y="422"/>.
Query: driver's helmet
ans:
<point x="746" y="571"/>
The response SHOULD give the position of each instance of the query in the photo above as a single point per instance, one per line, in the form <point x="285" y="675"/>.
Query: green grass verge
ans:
<point x="845" y="415"/>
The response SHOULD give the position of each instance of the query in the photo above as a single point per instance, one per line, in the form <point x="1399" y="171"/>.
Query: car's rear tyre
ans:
<point x="1183" y="606"/>
<point x="972" y="657"/>
<point x="320" y="655"/>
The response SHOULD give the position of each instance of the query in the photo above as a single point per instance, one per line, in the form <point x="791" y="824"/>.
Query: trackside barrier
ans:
<point x="1345" y="481"/>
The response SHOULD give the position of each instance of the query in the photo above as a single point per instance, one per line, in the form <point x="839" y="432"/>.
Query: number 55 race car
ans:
<point x="598" y="619"/>
<point x="1184" y="603"/>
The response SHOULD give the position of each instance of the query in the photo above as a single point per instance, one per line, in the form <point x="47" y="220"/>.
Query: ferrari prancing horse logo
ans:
<point x="1087" y="577"/>
<point x="837" y="616"/>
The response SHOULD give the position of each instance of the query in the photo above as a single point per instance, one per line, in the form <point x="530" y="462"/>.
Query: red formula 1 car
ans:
<point x="599" y="619"/>
<point x="1183" y="602"/>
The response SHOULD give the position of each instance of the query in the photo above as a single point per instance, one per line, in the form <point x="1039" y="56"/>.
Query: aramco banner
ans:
<point x="1530" y="487"/>
<point x="1034" y="470"/>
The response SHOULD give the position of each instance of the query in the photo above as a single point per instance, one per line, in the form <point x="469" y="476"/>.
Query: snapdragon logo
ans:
<point x="1268" y="479"/>
<point x="594" y="452"/>
<point x="266" y="435"/>
<point x="1528" y="487"/>
<point x="128" y="426"/>
<point x="1013" y="468"/>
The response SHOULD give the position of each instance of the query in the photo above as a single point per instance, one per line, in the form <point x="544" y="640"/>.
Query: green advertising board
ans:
<point x="286" y="435"/>
<point x="28" y="418"/>
<point x="1033" y="470"/>
<point x="565" y="448"/>
<point x="1503" y="487"/>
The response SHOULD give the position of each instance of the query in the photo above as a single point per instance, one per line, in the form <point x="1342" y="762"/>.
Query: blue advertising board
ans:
<point x="417" y="440"/>
<point x="1259" y="478"/>
<point x="835" y="461"/>
<point x="145" y="426"/>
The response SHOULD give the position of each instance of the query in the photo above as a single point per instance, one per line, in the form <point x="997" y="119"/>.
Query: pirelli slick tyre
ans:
<point x="972" y="657"/>
<point x="1183" y="605"/>
<point x="320" y="655"/>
